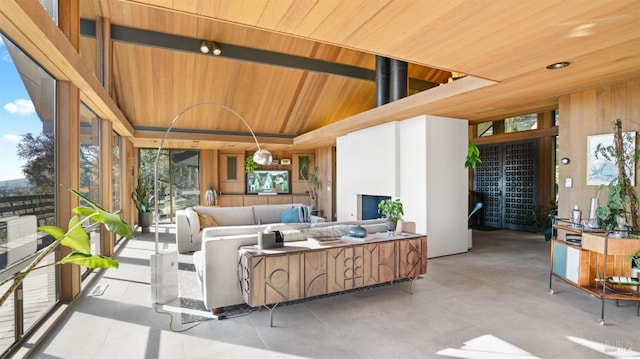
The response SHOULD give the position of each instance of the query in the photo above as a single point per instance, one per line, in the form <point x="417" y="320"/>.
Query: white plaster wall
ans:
<point x="447" y="190"/>
<point x="421" y="161"/>
<point x="366" y="163"/>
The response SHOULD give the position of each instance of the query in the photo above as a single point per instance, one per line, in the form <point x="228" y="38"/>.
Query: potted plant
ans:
<point x="75" y="238"/>
<point x="313" y="183"/>
<point x="250" y="165"/>
<point x="142" y="199"/>
<point x="392" y="210"/>
<point x="622" y="200"/>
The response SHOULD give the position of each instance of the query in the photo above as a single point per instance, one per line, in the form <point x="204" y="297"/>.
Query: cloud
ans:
<point x="21" y="107"/>
<point x="12" y="138"/>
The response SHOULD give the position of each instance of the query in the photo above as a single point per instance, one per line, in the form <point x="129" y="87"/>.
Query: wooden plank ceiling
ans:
<point x="509" y="45"/>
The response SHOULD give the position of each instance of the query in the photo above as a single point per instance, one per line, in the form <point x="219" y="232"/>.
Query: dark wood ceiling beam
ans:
<point x="192" y="45"/>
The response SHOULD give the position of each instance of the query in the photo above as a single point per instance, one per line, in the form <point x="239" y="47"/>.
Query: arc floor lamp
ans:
<point x="164" y="265"/>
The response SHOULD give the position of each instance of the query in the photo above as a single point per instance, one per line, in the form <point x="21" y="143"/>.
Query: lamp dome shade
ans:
<point x="263" y="157"/>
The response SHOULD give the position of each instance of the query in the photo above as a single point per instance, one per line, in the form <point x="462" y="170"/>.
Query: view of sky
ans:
<point x="17" y="116"/>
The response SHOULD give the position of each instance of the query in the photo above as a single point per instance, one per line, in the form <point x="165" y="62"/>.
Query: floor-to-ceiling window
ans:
<point x="116" y="153"/>
<point x="90" y="178"/>
<point x="27" y="188"/>
<point x="178" y="178"/>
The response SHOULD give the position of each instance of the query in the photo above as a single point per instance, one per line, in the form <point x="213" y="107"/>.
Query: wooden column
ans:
<point x="546" y="167"/>
<point x="106" y="185"/>
<point x="68" y="147"/>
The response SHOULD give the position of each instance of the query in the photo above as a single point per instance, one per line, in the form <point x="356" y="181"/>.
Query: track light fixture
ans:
<point x="205" y="46"/>
<point x="216" y="49"/>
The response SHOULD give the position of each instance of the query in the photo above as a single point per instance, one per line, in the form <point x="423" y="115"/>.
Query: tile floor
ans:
<point x="492" y="302"/>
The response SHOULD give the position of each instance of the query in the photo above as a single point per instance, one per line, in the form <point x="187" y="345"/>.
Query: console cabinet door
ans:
<point x="412" y="257"/>
<point x="315" y="273"/>
<point x="379" y="263"/>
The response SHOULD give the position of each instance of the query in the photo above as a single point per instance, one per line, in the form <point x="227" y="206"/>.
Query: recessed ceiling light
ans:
<point x="558" y="65"/>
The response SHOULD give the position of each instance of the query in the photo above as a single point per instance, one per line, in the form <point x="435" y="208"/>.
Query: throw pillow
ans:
<point x="290" y="216"/>
<point x="206" y="221"/>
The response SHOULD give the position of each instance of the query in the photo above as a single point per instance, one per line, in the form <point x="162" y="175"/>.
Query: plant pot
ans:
<point x="391" y="226"/>
<point x="145" y="220"/>
<point x="635" y="273"/>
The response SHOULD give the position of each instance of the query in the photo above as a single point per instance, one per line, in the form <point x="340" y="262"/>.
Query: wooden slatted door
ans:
<point x="507" y="180"/>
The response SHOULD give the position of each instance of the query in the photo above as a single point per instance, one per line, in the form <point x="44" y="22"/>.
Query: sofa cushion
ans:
<point x="206" y="221"/>
<point x="229" y="216"/>
<point x="290" y="216"/>
<point x="270" y="213"/>
<point x="194" y="221"/>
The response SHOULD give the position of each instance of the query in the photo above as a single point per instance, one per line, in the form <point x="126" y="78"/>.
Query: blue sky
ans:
<point x="17" y="116"/>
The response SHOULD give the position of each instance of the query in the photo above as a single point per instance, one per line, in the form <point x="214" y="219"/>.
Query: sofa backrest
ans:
<point x="270" y="213"/>
<point x="229" y="216"/>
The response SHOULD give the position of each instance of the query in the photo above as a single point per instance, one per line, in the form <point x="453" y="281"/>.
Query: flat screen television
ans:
<point x="269" y="182"/>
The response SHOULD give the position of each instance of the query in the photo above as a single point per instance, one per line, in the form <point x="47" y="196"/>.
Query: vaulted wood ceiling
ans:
<point x="503" y="46"/>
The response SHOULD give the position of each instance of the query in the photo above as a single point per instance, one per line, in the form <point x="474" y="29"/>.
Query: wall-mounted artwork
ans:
<point x="268" y="182"/>
<point x="603" y="171"/>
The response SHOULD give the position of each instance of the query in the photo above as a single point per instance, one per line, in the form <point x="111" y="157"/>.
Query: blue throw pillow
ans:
<point x="290" y="216"/>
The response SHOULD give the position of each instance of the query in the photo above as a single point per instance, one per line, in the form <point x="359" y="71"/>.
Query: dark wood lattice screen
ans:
<point x="507" y="181"/>
<point x="487" y="181"/>
<point x="520" y="176"/>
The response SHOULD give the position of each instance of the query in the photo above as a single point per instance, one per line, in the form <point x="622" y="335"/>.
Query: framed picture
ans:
<point x="603" y="171"/>
<point x="268" y="182"/>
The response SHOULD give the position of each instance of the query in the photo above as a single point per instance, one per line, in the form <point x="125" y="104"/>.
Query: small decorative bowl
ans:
<point x="358" y="232"/>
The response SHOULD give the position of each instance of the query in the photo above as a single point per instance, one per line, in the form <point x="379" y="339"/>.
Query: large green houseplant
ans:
<point x="311" y="179"/>
<point x="141" y="197"/>
<point x="622" y="199"/>
<point x="392" y="210"/>
<point x="77" y="240"/>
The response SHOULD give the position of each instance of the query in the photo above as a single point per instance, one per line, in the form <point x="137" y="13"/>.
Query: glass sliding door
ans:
<point x="178" y="179"/>
<point x="90" y="176"/>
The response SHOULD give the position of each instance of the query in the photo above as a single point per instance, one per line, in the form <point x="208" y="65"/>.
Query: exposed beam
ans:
<point x="192" y="45"/>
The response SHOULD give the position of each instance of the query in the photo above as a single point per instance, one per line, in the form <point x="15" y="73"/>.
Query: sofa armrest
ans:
<point x="219" y="267"/>
<point x="183" y="234"/>
<point x="316" y="219"/>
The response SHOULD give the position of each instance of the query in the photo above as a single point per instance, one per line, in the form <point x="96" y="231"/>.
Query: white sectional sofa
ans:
<point x="250" y="219"/>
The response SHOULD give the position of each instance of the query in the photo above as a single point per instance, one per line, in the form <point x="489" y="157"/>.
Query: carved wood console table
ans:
<point x="307" y="269"/>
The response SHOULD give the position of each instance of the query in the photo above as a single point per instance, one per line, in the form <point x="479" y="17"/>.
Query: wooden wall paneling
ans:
<point x="209" y="172"/>
<point x="254" y="200"/>
<point x="301" y="198"/>
<point x="231" y="186"/>
<point x="226" y="200"/>
<point x="298" y="185"/>
<point x="586" y="113"/>
<point x="326" y="168"/>
<point x="279" y="199"/>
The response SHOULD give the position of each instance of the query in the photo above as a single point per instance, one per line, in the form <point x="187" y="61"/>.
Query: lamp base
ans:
<point x="164" y="277"/>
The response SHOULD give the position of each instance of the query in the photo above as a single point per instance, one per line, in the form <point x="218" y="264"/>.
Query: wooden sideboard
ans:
<point x="307" y="269"/>
<point x="592" y="264"/>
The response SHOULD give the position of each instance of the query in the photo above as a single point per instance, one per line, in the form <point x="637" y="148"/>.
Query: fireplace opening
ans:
<point x="369" y="206"/>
